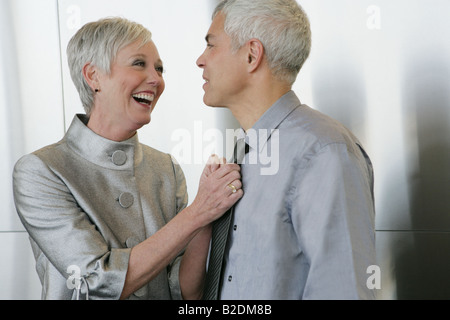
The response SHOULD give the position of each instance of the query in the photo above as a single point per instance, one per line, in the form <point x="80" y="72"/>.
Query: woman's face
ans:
<point x="129" y="93"/>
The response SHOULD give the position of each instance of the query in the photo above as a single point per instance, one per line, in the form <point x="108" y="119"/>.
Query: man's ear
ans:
<point x="90" y="74"/>
<point x="255" y="54"/>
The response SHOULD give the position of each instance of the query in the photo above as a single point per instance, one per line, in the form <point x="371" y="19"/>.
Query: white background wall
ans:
<point x="381" y="67"/>
<point x="31" y="117"/>
<point x="39" y="99"/>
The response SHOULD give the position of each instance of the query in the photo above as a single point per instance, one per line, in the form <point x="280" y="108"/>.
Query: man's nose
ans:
<point x="200" y="62"/>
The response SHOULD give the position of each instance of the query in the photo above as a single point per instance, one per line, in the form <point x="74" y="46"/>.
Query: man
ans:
<point x="304" y="228"/>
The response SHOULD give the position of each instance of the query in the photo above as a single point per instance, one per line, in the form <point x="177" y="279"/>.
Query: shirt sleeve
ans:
<point x="64" y="233"/>
<point x="333" y="216"/>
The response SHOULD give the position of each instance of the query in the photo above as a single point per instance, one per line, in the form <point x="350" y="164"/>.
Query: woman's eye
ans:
<point x="159" y="69"/>
<point x="139" y="63"/>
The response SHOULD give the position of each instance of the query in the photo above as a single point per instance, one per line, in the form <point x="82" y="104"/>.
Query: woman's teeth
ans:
<point x="144" y="98"/>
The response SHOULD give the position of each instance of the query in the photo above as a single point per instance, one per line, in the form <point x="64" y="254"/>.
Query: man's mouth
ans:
<point x="206" y="83"/>
<point x="144" y="98"/>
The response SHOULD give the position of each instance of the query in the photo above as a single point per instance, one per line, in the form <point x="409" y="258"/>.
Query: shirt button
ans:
<point x="126" y="200"/>
<point x="119" y="158"/>
<point x="230" y="278"/>
<point x="235" y="227"/>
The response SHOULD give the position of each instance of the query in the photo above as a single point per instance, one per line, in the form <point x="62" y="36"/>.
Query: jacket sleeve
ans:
<point x="64" y="233"/>
<point x="181" y="203"/>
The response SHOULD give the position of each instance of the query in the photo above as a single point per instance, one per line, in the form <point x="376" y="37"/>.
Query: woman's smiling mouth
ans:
<point x="144" y="98"/>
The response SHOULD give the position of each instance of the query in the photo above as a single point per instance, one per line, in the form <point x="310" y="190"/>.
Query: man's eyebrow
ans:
<point x="208" y="37"/>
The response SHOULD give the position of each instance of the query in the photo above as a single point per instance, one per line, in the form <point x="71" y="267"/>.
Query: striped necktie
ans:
<point x="219" y="237"/>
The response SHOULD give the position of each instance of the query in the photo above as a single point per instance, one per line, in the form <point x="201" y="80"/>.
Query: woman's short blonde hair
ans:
<point x="98" y="43"/>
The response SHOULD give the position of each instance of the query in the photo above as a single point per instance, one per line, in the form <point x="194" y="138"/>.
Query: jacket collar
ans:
<point x="106" y="153"/>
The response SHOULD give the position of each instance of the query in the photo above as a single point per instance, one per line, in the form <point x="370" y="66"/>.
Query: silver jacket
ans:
<point x="86" y="201"/>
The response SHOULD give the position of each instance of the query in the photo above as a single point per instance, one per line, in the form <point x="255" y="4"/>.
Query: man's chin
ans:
<point x="211" y="103"/>
<point x="207" y="102"/>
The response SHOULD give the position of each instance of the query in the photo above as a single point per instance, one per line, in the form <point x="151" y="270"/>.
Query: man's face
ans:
<point x="223" y="70"/>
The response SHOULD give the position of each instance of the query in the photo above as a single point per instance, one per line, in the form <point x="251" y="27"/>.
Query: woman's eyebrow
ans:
<point x="143" y="56"/>
<point x="139" y="55"/>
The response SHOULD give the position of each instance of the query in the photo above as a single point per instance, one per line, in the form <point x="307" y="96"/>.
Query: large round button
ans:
<point x="119" y="158"/>
<point x="126" y="200"/>
<point x="131" y="242"/>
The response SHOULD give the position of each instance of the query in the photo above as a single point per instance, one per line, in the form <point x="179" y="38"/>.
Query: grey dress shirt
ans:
<point x="86" y="201"/>
<point x="304" y="228"/>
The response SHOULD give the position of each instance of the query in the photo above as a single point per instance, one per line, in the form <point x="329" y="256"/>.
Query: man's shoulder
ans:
<point x="308" y="124"/>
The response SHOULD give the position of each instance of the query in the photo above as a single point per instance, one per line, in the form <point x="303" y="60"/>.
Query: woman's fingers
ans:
<point x="235" y="185"/>
<point x="213" y="163"/>
<point x="219" y="189"/>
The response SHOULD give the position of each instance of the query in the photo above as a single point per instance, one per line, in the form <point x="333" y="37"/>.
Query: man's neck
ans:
<point x="257" y="101"/>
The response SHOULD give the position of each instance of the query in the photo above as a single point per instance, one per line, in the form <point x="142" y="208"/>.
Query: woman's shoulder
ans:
<point x="40" y="156"/>
<point x="160" y="159"/>
<point x="154" y="155"/>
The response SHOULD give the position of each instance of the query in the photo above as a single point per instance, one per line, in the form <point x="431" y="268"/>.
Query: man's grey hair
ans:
<point x="98" y="43"/>
<point x="281" y="25"/>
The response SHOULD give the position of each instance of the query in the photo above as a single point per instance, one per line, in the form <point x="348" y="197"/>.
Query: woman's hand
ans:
<point x="219" y="188"/>
<point x="213" y="199"/>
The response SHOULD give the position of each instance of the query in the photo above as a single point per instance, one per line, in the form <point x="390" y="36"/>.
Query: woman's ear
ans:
<point x="255" y="54"/>
<point x="90" y="74"/>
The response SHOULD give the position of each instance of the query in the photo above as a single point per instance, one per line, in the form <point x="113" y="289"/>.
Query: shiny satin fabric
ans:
<point x="86" y="201"/>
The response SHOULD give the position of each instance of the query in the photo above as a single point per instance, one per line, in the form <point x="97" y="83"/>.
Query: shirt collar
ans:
<point x="272" y="118"/>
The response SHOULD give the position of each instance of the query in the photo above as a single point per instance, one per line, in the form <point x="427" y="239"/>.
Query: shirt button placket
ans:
<point x="230" y="277"/>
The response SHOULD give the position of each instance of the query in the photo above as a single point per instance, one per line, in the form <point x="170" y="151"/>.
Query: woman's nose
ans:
<point x="154" y="79"/>
<point x="154" y="83"/>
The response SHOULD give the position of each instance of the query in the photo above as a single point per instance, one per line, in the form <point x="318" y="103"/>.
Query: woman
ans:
<point x="106" y="214"/>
